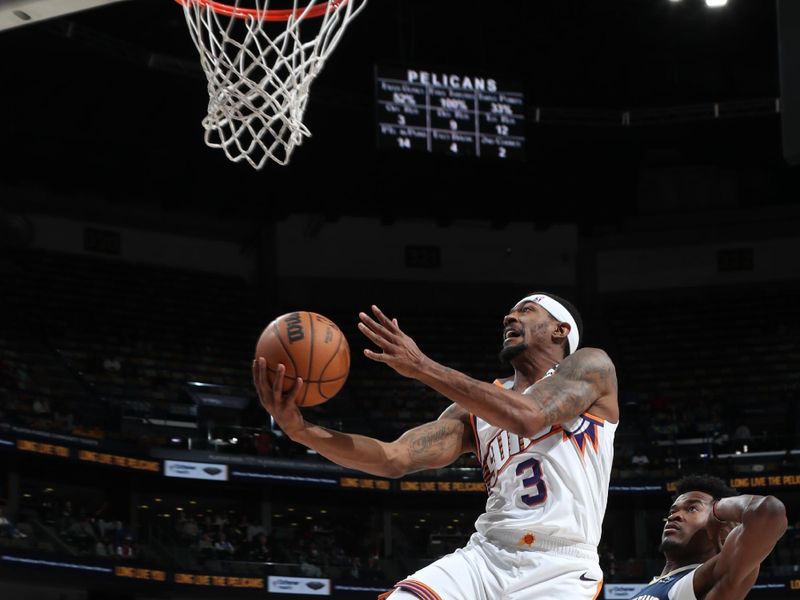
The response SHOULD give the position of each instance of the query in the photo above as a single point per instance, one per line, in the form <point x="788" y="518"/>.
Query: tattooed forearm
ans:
<point x="423" y="442"/>
<point x="434" y="443"/>
<point x="583" y="378"/>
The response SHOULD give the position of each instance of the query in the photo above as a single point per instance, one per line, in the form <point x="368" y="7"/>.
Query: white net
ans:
<point x="260" y="62"/>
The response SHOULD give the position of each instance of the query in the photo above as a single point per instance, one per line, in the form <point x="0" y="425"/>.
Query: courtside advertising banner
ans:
<point x="195" y="470"/>
<point x="622" y="591"/>
<point x="308" y="586"/>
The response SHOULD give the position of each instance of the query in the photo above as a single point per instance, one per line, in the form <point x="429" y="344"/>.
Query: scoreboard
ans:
<point x="460" y="115"/>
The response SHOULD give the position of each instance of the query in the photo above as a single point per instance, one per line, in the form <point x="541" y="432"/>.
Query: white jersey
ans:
<point x="554" y="484"/>
<point x="675" y="585"/>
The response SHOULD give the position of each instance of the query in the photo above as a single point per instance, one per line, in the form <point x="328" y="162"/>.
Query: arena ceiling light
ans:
<point x="716" y="3"/>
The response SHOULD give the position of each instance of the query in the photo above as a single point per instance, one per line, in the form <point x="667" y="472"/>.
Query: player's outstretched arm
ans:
<point x="585" y="379"/>
<point x="758" y="523"/>
<point x="432" y="445"/>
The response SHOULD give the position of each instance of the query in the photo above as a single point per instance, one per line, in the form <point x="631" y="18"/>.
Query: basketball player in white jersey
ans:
<point x="544" y="438"/>
<point x="714" y="541"/>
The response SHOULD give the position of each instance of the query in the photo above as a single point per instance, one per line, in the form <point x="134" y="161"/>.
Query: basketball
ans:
<point x="310" y="346"/>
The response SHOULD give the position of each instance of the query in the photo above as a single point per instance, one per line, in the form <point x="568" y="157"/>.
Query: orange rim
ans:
<point x="266" y="15"/>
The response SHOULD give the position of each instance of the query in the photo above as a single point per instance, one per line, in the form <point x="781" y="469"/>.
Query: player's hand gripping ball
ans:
<point x="311" y="347"/>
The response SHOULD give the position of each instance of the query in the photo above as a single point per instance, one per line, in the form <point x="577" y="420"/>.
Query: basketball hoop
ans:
<point x="260" y="67"/>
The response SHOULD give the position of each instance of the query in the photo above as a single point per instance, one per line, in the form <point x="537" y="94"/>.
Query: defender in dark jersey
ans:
<point x="714" y="541"/>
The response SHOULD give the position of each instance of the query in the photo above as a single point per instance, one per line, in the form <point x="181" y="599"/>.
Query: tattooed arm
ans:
<point x="432" y="445"/>
<point x="584" y="380"/>
<point x="435" y="444"/>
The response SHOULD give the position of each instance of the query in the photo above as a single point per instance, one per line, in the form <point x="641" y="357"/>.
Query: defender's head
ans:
<point x="685" y="534"/>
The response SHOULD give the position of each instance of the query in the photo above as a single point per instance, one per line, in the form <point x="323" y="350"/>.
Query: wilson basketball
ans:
<point x="310" y="346"/>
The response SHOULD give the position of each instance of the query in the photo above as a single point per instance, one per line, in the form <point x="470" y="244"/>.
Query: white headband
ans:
<point x="559" y="312"/>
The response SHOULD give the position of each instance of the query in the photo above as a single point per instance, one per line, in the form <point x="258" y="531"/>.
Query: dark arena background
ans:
<point x="648" y="174"/>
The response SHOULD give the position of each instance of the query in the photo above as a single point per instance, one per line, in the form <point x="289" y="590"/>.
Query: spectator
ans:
<point x="65" y="519"/>
<point x="223" y="547"/>
<point x="221" y="521"/>
<point x="205" y="547"/>
<point x="314" y="556"/>
<point x="670" y="460"/>
<point x="63" y="417"/>
<point x="742" y="434"/>
<point x="239" y="531"/>
<point x="118" y="532"/>
<point x="308" y="569"/>
<point x="261" y="551"/>
<point x="103" y="526"/>
<point x="254" y="530"/>
<point x="41" y="407"/>
<point x="191" y="530"/>
<point x="374" y="573"/>
<point x="7" y="528"/>
<point x="355" y="568"/>
<point x="23" y="379"/>
<point x="101" y="548"/>
<point x="126" y="550"/>
<point x="82" y="530"/>
<point x="640" y="461"/>
<point x="339" y="558"/>
<point x="112" y="364"/>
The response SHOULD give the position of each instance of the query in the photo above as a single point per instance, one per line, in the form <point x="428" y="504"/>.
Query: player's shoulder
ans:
<point x="684" y="588"/>
<point x="593" y="365"/>
<point x="670" y="587"/>
<point x="592" y="356"/>
<point x="587" y="362"/>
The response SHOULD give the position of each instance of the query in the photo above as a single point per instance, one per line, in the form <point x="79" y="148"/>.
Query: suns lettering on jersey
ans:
<point x="504" y="447"/>
<point x="553" y="483"/>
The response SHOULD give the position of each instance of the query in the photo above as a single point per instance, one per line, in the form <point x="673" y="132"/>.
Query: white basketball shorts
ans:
<point x="548" y="569"/>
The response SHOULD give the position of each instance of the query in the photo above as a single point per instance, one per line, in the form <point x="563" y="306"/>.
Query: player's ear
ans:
<point x="561" y="331"/>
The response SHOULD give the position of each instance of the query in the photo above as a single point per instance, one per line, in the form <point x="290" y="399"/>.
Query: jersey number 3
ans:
<point x="531" y="470"/>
